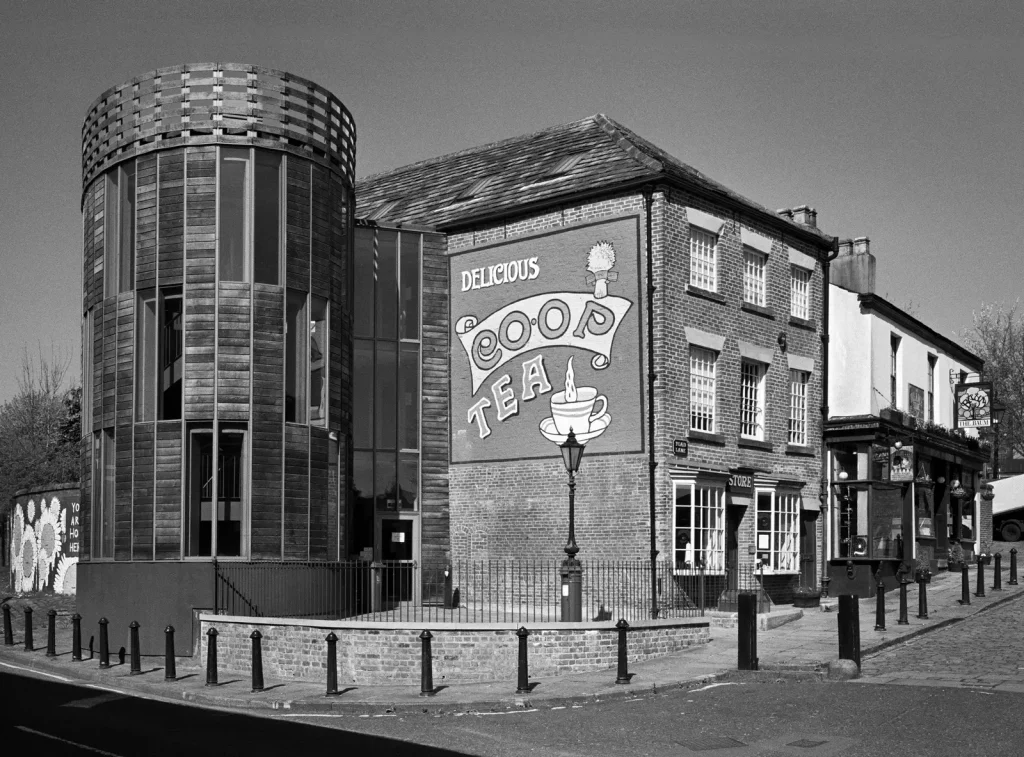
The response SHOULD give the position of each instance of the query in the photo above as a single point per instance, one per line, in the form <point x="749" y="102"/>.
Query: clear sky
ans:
<point x="897" y="121"/>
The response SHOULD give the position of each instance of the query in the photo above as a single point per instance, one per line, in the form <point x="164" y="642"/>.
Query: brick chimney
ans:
<point x="854" y="269"/>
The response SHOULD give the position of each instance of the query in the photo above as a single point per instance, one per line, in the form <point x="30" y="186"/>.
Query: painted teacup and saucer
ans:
<point x="574" y="409"/>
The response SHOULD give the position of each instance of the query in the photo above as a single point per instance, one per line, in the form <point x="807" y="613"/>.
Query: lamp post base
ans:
<point x="572" y="590"/>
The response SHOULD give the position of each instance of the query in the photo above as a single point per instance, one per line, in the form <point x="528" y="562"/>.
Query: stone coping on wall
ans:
<point x="364" y="625"/>
<point x="379" y="653"/>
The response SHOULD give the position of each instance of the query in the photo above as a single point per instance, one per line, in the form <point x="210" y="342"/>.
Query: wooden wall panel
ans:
<point x="234" y="354"/>
<point x="146" y="222"/>
<point x="297" y="228"/>
<point x="320" y="279"/>
<point x="171" y="198"/>
<point x="143" y="491"/>
<point x="200" y="273"/>
<point x="88" y="247"/>
<point x="94" y="259"/>
<point x="123" y="436"/>
<point x="296" y="492"/>
<point x="97" y="368"/>
<point x="319" y="446"/>
<point x="435" y="529"/>
<point x="267" y="429"/>
<point x="108" y="363"/>
<point x="167" y="519"/>
<point x="340" y="398"/>
<point x="85" y="497"/>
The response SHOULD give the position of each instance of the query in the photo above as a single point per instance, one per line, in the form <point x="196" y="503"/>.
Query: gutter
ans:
<point x="651" y="377"/>
<point x="823" y="495"/>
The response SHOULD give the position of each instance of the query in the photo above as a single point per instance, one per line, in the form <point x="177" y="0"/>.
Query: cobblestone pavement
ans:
<point x="984" y="651"/>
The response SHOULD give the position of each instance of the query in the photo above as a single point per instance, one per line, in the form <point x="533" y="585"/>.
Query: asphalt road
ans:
<point x="43" y="717"/>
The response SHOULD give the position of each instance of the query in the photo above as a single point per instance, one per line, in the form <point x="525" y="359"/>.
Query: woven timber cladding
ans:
<point x="222" y="103"/>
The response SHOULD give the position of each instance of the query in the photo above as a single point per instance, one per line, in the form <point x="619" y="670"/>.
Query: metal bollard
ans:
<point x="623" y="672"/>
<point x="965" y="585"/>
<point x="211" y="657"/>
<point x="904" y="582"/>
<point x="136" y="661"/>
<point x="880" y="606"/>
<point x="997" y="573"/>
<point x="1013" y="567"/>
<point x="28" y="630"/>
<point x="980" y="589"/>
<point x="257" y="660"/>
<point x="8" y="630"/>
<point x="170" y="670"/>
<point x="76" y="637"/>
<point x="104" y="644"/>
<point x="523" y="685"/>
<point x="922" y="598"/>
<point x="849" y="628"/>
<point x="427" y="673"/>
<point x="51" y="633"/>
<point x="332" y="665"/>
<point x="747" y="631"/>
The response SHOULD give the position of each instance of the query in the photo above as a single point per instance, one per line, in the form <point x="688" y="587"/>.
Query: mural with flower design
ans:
<point x="45" y="541"/>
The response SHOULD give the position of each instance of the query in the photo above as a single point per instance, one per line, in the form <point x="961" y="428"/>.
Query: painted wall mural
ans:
<point x="549" y="329"/>
<point x="45" y="541"/>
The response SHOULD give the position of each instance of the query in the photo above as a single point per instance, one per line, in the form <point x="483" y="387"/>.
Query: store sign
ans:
<point x="546" y="338"/>
<point x="741" y="484"/>
<point x="973" y="405"/>
<point x="901" y="463"/>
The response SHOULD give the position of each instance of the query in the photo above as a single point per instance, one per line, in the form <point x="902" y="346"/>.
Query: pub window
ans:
<point x="216" y="492"/>
<point x="894" y="349"/>
<point x="752" y="400"/>
<point x="778" y="531"/>
<point x="800" y="291"/>
<point x="755" y="271"/>
<point x="699" y="527"/>
<point x="119" y="230"/>
<point x="104" y="460"/>
<point x="703" y="259"/>
<point x="702" y="389"/>
<point x="798" y="407"/>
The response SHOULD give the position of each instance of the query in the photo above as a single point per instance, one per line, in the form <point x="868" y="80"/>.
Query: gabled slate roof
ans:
<point x="466" y="187"/>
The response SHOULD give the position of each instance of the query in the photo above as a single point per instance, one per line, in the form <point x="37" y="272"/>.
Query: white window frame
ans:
<point x="705" y="534"/>
<point x="798" y="384"/>
<point x="783" y="532"/>
<point x="752" y="399"/>
<point x="703" y="398"/>
<point x="703" y="259"/>
<point x="800" y="292"/>
<point x="755" y="276"/>
<point x="933" y="361"/>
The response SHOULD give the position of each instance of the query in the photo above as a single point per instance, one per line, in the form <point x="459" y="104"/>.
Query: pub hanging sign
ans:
<point x="973" y="405"/>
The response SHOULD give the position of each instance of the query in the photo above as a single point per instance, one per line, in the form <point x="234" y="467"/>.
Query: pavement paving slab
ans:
<point x="800" y="648"/>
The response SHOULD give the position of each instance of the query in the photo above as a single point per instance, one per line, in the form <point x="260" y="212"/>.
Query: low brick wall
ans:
<point x="376" y="653"/>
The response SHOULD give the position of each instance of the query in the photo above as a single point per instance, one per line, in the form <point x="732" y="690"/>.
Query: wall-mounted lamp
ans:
<point x="956" y="483"/>
<point x="782" y="341"/>
<point x="941" y="479"/>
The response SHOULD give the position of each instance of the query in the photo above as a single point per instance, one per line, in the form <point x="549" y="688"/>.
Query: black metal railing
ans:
<point x="467" y="591"/>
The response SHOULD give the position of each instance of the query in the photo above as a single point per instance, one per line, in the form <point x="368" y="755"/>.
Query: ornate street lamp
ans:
<point x="572" y="454"/>
<point x="572" y="571"/>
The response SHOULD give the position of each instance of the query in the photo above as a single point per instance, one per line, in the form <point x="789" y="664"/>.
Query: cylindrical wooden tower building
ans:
<point x="218" y="223"/>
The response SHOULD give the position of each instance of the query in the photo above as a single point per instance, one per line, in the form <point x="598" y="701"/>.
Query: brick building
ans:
<point x="583" y="259"/>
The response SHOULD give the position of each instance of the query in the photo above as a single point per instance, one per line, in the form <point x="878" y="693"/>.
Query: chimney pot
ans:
<point x="785" y="212"/>
<point x="845" y="246"/>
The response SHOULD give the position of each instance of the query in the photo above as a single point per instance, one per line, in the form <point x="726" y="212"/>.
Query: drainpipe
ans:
<point x="648" y="192"/>
<point x="823" y="496"/>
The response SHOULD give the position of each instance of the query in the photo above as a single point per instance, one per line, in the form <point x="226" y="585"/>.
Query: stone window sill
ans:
<point x="750" y="307"/>
<point x="705" y="294"/>
<point x="802" y="323"/>
<point x="704" y="436"/>
<point x="799" y="450"/>
<point x="755" y="444"/>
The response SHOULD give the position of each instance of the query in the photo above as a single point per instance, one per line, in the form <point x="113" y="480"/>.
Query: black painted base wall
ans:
<point x="156" y="594"/>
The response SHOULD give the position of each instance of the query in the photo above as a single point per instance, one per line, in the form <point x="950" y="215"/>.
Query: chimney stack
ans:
<point x="854" y="269"/>
<point x="785" y="213"/>
<point x="805" y="215"/>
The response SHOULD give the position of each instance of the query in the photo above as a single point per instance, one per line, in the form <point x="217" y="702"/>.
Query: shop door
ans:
<point x="808" y="546"/>
<point x="733" y="516"/>
<point x="396" y="547"/>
